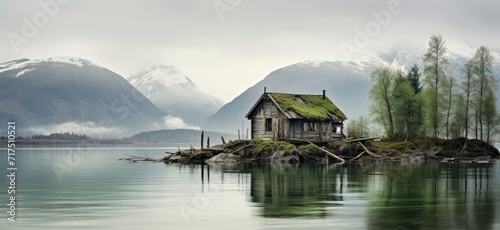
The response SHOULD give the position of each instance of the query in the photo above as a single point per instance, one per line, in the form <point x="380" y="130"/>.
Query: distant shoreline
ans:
<point x="24" y="142"/>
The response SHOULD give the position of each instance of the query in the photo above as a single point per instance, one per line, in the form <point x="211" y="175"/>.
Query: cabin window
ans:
<point x="337" y="128"/>
<point x="269" y="124"/>
<point x="310" y="126"/>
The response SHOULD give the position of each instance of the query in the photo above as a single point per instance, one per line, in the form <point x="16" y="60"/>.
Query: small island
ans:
<point x="293" y="128"/>
<point x="364" y="150"/>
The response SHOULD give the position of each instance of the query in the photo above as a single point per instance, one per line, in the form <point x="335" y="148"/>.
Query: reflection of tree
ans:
<point x="300" y="191"/>
<point x="430" y="196"/>
<point x="444" y="196"/>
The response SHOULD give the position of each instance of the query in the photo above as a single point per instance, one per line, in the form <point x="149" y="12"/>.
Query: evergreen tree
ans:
<point x="414" y="78"/>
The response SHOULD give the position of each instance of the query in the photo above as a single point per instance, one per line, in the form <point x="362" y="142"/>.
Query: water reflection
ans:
<point x="286" y="191"/>
<point x="93" y="190"/>
<point x="438" y="196"/>
<point x="432" y="196"/>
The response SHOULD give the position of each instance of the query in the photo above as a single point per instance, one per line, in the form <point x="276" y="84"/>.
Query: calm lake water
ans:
<point x="88" y="188"/>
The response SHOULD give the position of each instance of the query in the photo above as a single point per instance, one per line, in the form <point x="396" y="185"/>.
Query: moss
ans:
<point x="394" y="145"/>
<point x="289" y="149"/>
<point x="262" y="146"/>
<point x="239" y="143"/>
<point x="436" y="148"/>
<point x="310" y="150"/>
<point x="314" y="106"/>
<point x="309" y="147"/>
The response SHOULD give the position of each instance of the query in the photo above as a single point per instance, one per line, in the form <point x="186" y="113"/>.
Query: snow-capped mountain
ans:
<point x="175" y="94"/>
<point x="67" y="94"/>
<point x="166" y="76"/>
<point x="346" y="81"/>
<point x="457" y="53"/>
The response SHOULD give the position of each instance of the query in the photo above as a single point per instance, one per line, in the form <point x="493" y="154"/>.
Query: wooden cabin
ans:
<point x="280" y="116"/>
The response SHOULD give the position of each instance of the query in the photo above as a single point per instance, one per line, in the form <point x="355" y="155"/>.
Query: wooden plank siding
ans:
<point x="320" y="133"/>
<point x="267" y="109"/>
<point x="298" y="130"/>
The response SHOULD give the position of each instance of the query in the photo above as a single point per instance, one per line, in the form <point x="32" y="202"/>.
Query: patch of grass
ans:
<point x="309" y="147"/>
<point x="310" y="150"/>
<point x="436" y="148"/>
<point x="312" y="106"/>
<point x="262" y="146"/>
<point x="402" y="145"/>
<point x="289" y="150"/>
<point x="239" y="143"/>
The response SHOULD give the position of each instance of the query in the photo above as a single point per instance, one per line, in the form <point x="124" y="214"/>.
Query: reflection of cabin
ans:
<point x="279" y="116"/>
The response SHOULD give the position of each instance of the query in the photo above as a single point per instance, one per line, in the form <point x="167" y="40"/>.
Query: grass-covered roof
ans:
<point x="312" y="107"/>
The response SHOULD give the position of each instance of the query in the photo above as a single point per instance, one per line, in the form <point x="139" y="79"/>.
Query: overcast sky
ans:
<point x="226" y="46"/>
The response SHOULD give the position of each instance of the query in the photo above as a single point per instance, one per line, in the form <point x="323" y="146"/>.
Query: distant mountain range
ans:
<point x="347" y="82"/>
<point x="186" y="136"/>
<point x="72" y="94"/>
<point x="175" y="94"/>
<point x="69" y="94"/>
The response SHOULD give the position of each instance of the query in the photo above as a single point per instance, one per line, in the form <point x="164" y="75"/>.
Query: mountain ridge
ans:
<point x="43" y="94"/>
<point x="176" y="94"/>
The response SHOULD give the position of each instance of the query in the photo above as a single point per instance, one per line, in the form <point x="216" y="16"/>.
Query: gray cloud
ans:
<point x="254" y="38"/>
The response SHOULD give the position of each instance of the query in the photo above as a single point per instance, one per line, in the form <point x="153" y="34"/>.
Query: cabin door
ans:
<point x="280" y="129"/>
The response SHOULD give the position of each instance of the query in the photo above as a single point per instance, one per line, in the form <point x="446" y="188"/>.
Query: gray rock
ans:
<point x="225" y="158"/>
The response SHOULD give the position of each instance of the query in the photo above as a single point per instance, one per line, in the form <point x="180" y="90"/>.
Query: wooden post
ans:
<point x="239" y="134"/>
<point x="208" y="142"/>
<point x="242" y="130"/>
<point x="202" y="172"/>
<point x="223" y="141"/>
<point x="202" y="134"/>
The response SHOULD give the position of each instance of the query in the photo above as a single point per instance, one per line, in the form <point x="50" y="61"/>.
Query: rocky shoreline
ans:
<point x="257" y="151"/>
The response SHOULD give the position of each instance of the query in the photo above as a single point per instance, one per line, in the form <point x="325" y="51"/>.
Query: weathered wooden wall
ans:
<point x="267" y="109"/>
<point x="293" y="129"/>
<point x="298" y="130"/>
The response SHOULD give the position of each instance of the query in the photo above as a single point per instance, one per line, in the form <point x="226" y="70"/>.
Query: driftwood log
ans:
<point x="134" y="159"/>
<point x="329" y="153"/>
<point x="358" y="156"/>
<point x="242" y="148"/>
<point x="368" y="151"/>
